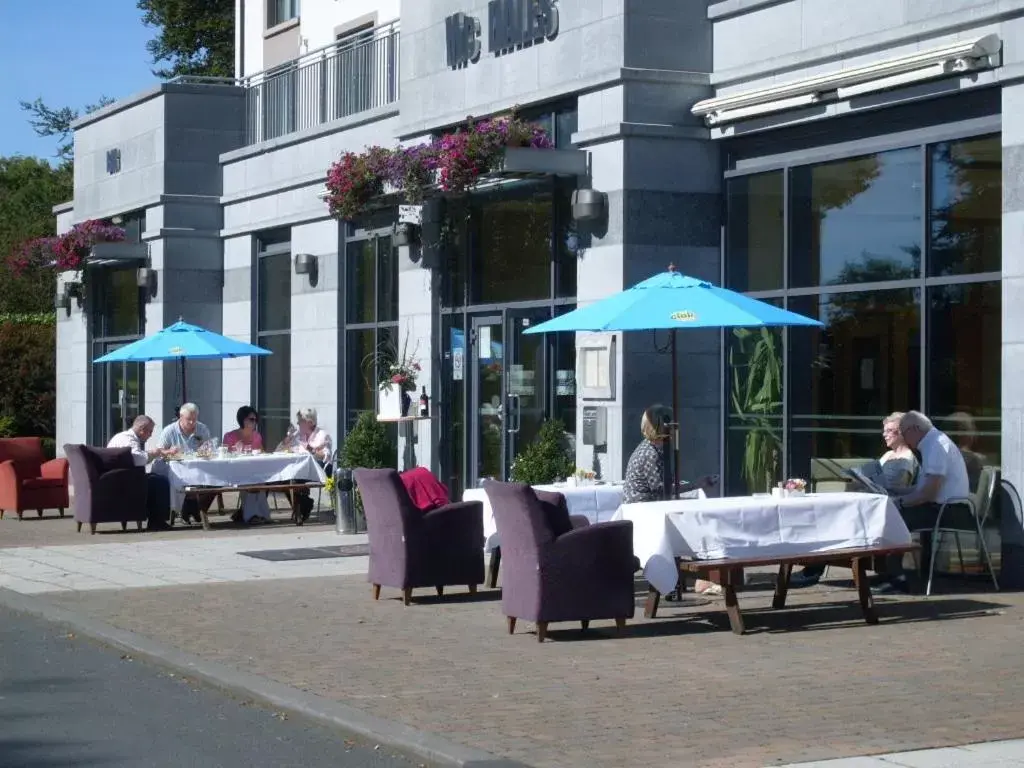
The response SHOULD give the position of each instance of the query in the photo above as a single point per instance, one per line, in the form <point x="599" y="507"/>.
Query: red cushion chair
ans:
<point x="28" y="481"/>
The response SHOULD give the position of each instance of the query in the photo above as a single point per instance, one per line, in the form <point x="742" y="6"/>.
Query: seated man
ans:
<point x="942" y="478"/>
<point x="158" y="490"/>
<point x="185" y="436"/>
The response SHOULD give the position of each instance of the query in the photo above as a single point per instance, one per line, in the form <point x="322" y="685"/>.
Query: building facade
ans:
<point x="856" y="162"/>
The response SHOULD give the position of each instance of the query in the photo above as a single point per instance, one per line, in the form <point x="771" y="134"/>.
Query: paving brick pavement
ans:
<point x="806" y="684"/>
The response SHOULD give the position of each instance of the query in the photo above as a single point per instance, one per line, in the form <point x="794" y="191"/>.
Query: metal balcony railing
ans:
<point x="352" y="75"/>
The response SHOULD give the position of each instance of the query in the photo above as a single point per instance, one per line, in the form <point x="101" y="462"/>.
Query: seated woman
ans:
<point x="645" y="471"/>
<point x="898" y="468"/>
<point x="309" y="437"/>
<point x="246" y="435"/>
<point x="255" y="508"/>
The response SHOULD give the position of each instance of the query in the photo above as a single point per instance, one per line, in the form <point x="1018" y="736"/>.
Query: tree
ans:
<point x="196" y="37"/>
<point x="46" y="121"/>
<point x="29" y="188"/>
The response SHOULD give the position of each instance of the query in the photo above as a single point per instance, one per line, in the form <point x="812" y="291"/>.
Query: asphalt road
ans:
<point x="67" y="701"/>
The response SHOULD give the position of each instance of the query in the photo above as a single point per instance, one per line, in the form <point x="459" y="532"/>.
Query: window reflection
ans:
<point x="360" y="265"/>
<point x="966" y="207"/>
<point x="756" y="232"/>
<point x="964" y="363"/>
<point x="514" y="253"/>
<point x="857" y="220"/>
<point x="274" y="387"/>
<point x="844" y="378"/>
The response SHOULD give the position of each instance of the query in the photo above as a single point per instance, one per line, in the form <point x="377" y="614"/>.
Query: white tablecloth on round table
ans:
<point x="749" y="526"/>
<point x="598" y="503"/>
<point x="238" y="471"/>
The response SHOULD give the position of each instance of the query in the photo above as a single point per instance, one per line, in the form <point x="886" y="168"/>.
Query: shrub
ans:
<point x="367" y="446"/>
<point x="28" y="376"/>
<point x="547" y="459"/>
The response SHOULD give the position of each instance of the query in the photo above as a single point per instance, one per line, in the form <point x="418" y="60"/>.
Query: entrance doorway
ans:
<point x="119" y="389"/>
<point x="510" y="392"/>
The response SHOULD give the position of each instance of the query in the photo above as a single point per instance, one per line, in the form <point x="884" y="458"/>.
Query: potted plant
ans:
<point x="397" y="371"/>
<point x="547" y="459"/>
<point x="366" y="446"/>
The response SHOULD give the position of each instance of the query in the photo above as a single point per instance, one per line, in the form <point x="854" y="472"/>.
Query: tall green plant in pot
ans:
<point x="367" y="446"/>
<point x="547" y="459"/>
<point x="755" y="361"/>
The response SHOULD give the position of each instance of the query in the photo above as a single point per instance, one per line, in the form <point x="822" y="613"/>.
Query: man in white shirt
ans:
<point x="186" y="435"/>
<point x="158" y="490"/>
<point x="942" y="478"/>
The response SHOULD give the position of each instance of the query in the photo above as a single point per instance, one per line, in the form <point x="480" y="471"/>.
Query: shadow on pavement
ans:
<point x="26" y="753"/>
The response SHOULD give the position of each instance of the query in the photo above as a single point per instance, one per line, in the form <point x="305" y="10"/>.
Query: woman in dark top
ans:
<point x="645" y="472"/>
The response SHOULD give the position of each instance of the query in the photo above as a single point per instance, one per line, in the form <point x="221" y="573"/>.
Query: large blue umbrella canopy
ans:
<point x="182" y="341"/>
<point x="673" y="301"/>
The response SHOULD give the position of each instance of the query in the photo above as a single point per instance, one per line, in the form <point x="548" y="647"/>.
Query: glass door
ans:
<point x="120" y="387"/>
<point x="510" y="389"/>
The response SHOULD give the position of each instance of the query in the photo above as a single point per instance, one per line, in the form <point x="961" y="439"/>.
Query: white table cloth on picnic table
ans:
<point x="238" y="471"/>
<point x="756" y="526"/>
<point x="598" y="503"/>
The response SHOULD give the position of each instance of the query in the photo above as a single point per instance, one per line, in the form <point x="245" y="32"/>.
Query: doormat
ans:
<point x="311" y="553"/>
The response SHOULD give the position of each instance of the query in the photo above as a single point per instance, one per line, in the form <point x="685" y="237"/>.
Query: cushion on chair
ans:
<point x="425" y="491"/>
<point x="556" y="511"/>
<point x="42" y="482"/>
<point x="106" y="459"/>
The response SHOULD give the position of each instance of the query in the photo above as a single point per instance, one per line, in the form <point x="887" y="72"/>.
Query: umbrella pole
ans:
<point x="675" y="417"/>
<point x="184" y="387"/>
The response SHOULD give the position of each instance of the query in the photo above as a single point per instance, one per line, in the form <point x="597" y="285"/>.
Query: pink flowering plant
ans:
<point x="394" y="367"/>
<point x="63" y="253"/>
<point x="454" y="162"/>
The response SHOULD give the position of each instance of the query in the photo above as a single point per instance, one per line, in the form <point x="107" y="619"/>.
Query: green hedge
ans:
<point x="28" y="376"/>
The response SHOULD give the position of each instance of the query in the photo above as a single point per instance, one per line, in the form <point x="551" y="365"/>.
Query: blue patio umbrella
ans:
<point x="673" y="301"/>
<point x="182" y="341"/>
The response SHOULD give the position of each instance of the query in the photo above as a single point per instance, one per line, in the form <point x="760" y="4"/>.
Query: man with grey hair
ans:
<point x="942" y="478"/>
<point x="185" y="436"/>
<point x="158" y="490"/>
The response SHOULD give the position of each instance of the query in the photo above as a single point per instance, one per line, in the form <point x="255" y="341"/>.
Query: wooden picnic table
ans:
<point x="729" y="573"/>
<point x="287" y="488"/>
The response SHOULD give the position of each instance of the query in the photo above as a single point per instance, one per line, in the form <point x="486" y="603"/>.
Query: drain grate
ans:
<point x="310" y="553"/>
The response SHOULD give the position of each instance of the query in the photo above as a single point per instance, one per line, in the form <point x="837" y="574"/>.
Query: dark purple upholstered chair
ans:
<point x="108" y="487"/>
<point x="555" y="572"/>
<point x="410" y="548"/>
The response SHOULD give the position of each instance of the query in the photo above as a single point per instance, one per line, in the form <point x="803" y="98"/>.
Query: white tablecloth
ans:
<point x="750" y="526"/>
<point x="237" y="471"/>
<point x="598" y="503"/>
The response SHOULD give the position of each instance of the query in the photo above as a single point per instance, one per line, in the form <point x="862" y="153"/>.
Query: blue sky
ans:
<point x="69" y="53"/>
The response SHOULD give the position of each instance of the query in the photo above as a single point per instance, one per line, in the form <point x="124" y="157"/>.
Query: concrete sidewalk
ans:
<point x="995" y="754"/>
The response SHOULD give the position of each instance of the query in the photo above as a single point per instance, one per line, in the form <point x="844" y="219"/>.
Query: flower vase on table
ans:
<point x="390" y="403"/>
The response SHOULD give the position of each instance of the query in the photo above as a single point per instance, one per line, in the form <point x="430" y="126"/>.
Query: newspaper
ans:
<point x="862" y="477"/>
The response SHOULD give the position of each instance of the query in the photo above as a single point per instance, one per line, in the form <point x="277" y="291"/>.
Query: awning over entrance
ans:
<point x="118" y="255"/>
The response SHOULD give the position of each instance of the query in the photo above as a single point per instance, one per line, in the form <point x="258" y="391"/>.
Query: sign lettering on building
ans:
<point x="511" y="24"/>
<point x="113" y="161"/>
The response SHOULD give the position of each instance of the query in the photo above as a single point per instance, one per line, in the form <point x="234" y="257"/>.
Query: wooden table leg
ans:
<point x="204" y="514"/>
<point x="782" y="586"/>
<point x="860" y="578"/>
<point x="732" y="606"/>
<point x="653" y="599"/>
<point x="492" y="570"/>
<point x="296" y="499"/>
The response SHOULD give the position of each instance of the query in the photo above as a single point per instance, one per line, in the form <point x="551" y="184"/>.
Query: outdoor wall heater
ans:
<point x="588" y="205"/>
<point x="146" y="279"/>
<point x="306" y="264"/>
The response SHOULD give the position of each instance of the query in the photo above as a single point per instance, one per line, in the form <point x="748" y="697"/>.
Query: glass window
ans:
<point x="844" y="378"/>
<point x="274" y="286"/>
<point x="361" y="265"/>
<point x="567" y="242"/>
<point x="755" y="237"/>
<point x="119" y="306"/>
<point x="965" y="365"/>
<point x="966" y="207"/>
<point x="361" y="345"/>
<point x="566" y="124"/>
<point x="453" y="398"/>
<point x="273" y="400"/>
<point x="280" y="11"/>
<point x="387" y="281"/>
<point x="513" y="238"/>
<point x="857" y="220"/>
<point x="753" y="447"/>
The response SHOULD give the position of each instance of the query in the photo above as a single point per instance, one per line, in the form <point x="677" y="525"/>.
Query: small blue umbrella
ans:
<point x="673" y="301"/>
<point x="181" y="341"/>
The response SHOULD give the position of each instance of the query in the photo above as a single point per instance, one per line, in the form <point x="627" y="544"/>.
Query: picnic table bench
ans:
<point x="286" y="487"/>
<point x="728" y="573"/>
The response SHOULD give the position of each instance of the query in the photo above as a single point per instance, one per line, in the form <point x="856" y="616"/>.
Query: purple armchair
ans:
<point x="555" y="572"/>
<point x="410" y="548"/>
<point x="109" y="488"/>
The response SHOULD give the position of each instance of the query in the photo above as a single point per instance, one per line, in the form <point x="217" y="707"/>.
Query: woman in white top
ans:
<point x="311" y="438"/>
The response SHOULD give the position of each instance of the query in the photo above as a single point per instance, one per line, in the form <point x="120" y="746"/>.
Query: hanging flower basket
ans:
<point x="64" y="253"/>
<point x="454" y="163"/>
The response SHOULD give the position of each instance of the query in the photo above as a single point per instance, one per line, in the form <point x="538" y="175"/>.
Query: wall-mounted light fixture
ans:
<point x="62" y="300"/>
<point x="406" y="233"/>
<point x="588" y="205"/>
<point x="75" y="289"/>
<point x="306" y="264"/>
<point x="146" y="279"/>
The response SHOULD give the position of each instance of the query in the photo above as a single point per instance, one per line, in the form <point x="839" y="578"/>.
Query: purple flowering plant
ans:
<point x="454" y="162"/>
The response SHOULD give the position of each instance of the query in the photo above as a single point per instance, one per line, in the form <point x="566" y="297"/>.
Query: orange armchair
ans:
<point x="27" y="481"/>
